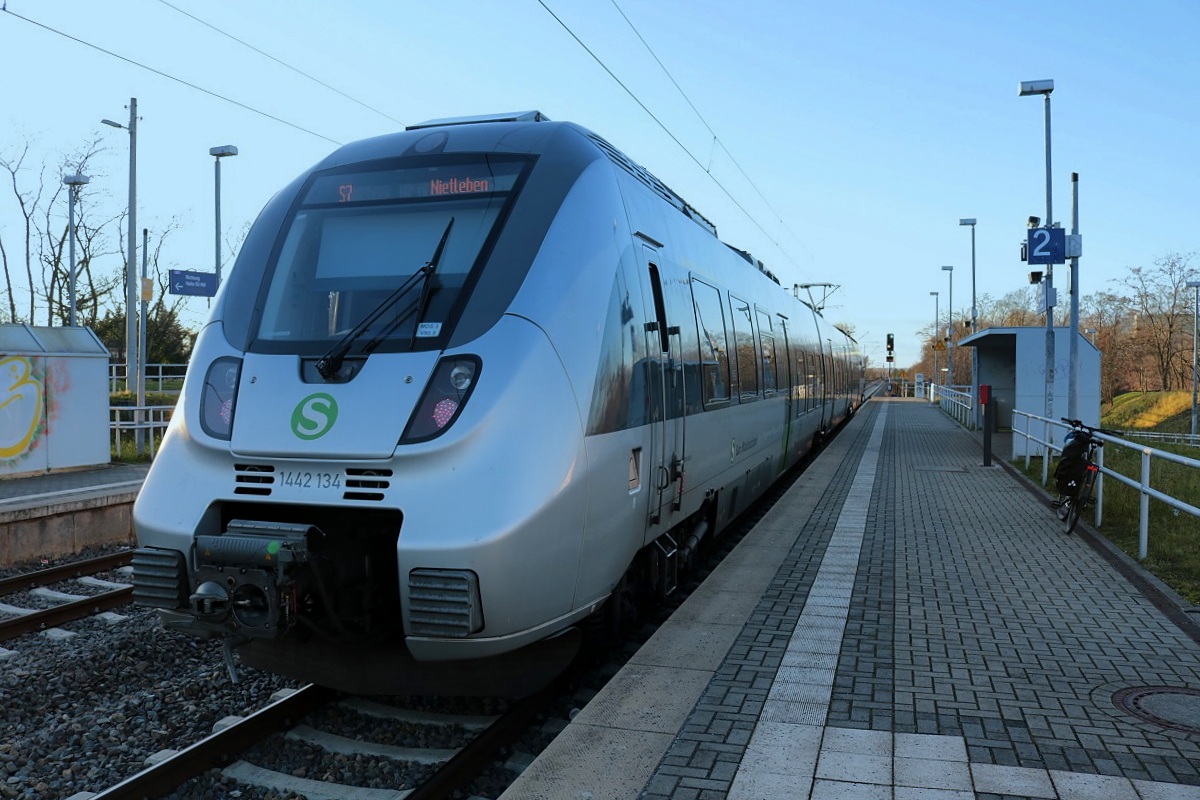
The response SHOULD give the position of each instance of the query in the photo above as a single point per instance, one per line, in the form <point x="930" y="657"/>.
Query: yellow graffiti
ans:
<point x="20" y="405"/>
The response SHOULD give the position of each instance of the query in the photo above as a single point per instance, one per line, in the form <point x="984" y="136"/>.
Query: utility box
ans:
<point x="1013" y="362"/>
<point x="53" y="399"/>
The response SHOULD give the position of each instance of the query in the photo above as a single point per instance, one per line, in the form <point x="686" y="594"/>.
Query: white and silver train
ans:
<point x="466" y="388"/>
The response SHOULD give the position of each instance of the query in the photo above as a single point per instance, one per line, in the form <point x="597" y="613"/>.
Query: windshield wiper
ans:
<point x="428" y="288"/>
<point x="330" y="363"/>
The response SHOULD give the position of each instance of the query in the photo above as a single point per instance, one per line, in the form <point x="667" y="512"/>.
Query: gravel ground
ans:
<point x="84" y="713"/>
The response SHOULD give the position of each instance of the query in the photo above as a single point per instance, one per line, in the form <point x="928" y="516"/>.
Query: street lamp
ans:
<point x="1195" y="335"/>
<point x="131" y="263"/>
<point x="1092" y="333"/>
<point x="218" y="153"/>
<point x="72" y="182"/>
<point x="936" y="340"/>
<point x="950" y="325"/>
<point x="1044" y="88"/>
<point x="974" y="328"/>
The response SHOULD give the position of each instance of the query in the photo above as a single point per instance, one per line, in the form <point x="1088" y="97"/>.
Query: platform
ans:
<point x="906" y="623"/>
<point x="60" y="513"/>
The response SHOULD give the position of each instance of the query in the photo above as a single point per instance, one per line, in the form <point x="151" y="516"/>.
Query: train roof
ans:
<point x="512" y="132"/>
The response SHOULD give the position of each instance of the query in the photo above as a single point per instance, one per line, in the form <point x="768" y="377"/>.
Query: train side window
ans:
<point x="660" y="309"/>
<point x="743" y="337"/>
<point x="766" y="347"/>
<point x="714" y="351"/>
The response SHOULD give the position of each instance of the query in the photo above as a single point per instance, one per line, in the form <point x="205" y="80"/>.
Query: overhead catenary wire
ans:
<point x="281" y="62"/>
<point x="715" y="138"/>
<point x="667" y="130"/>
<point x="707" y="169"/>
<point x="168" y="76"/>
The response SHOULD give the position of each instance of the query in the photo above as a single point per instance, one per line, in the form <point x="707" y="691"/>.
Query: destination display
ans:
<point x="404" y="184"/>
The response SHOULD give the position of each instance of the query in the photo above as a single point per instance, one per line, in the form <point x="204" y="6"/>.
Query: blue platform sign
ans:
<point x="1047" y="246"/>
<point x="195" y="284"/>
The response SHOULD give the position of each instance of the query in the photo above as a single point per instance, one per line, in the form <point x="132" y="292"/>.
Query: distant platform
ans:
<point x="53" y="514"/>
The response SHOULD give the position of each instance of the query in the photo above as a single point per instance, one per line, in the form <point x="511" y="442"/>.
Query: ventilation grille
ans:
<point x="254" y="479"/>
<point x="367" y="484"/>
<point x="159" y="578"/>
<point x="444" y="603"/>
<point x="655" y="185"/>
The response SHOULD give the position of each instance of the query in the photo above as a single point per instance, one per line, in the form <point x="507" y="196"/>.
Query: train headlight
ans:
<point x="444" y="398"/>
<point x="219" y="399"/>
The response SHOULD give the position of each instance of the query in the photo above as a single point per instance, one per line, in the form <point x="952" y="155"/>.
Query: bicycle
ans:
<point x="1076" y="472"/>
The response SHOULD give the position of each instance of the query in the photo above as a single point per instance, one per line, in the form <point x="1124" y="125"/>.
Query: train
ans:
<point x="469" y="391"/>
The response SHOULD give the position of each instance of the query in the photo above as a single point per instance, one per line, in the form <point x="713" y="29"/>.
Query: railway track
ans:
<point x="69" y="607"/>
<point x="231" y="749"/>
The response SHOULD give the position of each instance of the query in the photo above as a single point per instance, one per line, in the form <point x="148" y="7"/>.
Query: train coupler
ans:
<point x="247" y="578"/>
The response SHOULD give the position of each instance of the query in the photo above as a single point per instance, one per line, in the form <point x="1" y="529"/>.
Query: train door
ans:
<point x="826" y="398"/>
<point x="787" y="385"/>
<point x="663" y="344"/>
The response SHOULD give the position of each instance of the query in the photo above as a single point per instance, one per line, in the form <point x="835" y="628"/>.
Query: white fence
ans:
<point x="1169" y="438"/>
<point x="140" y="423"/>
<point x="1049" y="430"/>
<point x="156" y="376"/>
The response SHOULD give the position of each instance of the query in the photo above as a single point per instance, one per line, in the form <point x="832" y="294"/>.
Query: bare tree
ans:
<point x="1112" y="318"/>
<point x="28" y="201"/>
<point x="1017" y="308"/>
<point x="45" y="238"/>
<point x="1160" y="297"/>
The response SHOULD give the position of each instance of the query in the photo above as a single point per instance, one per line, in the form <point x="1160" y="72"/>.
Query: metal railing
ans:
<point x="955" y="403"/>
<point x="1169" y="438"/>
<point x="156" y="376"/>
<point x="152" y="420"/>
<point x="1046" y="446"/>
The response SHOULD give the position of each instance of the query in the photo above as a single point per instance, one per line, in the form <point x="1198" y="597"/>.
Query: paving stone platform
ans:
<point x="905" y="623"/>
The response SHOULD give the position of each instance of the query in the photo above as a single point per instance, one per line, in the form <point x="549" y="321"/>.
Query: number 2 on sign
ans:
<point x="1041" y="248"/>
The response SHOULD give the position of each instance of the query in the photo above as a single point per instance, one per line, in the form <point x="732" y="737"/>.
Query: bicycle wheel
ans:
<point x="1080" y="501"/>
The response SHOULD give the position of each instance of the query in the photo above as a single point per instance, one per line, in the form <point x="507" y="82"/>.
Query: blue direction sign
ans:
<point x="1047" y="246"/>
<point x="196" y="284"/>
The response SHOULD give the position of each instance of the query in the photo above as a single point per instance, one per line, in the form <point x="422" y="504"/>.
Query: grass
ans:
<point x="127" y="452"/>
<point x="1173" y="541"/>
<point x="1173" y="551"/>
<point x="1165" y="412"/>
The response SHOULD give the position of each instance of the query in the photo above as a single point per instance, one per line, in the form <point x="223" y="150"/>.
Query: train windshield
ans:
<point x="356" y="236"/>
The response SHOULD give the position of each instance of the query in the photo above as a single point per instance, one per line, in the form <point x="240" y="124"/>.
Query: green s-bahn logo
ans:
<point x="314" y="416"/>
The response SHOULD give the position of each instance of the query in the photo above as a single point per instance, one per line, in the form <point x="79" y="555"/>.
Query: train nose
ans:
<point x="210" y="602"/>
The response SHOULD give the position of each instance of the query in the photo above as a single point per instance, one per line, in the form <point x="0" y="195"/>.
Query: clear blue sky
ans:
<point x="869" y="128"/>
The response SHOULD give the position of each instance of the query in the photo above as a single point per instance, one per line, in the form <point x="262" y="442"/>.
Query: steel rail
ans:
<point x="221" y="747"/>
<point x="480" y="752"/>
<point x="67" y="612"/>
<point x="42" y="577"/>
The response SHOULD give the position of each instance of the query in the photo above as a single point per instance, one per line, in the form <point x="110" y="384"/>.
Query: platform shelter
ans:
<point x="1012" y="360"/>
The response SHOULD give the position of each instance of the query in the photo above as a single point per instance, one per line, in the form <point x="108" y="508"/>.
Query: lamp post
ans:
<point x="1092" y="333"/>
<point x="1044" y="88"/>
<point x="936" y="340"/>
<point x="1195" y="336"/>
<point x="950" y="325"/>
<point x="72" y="182"/>
<point x="218" y="153"/>
<point x="974" y="328"/>
<point x="131" y="261"/>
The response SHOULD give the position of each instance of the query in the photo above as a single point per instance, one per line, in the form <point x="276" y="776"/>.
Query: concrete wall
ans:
<point x="27" y="534"/>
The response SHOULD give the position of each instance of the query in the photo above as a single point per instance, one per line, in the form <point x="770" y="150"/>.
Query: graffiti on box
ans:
<point x="22" y="405"/>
